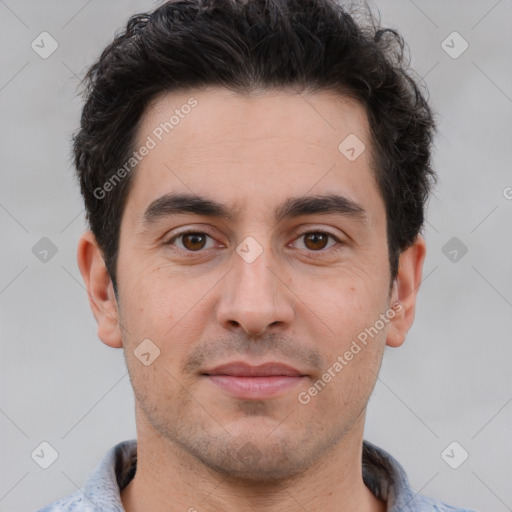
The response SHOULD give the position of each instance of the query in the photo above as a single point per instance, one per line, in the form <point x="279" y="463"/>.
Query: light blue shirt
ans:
<point x="382" y="474"/>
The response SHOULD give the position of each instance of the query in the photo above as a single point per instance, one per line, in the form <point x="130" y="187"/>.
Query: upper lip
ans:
<point x="242" y="369"/>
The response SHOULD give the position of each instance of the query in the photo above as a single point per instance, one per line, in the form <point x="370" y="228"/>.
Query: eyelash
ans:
<point x="312" y="254"/>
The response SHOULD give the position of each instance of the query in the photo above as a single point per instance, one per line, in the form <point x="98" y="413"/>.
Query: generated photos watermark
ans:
<point x="304" y="397"/>
<point x="152" y="141"/>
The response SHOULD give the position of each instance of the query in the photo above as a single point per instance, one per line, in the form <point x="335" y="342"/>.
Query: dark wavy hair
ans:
<point x="249" y="46"/>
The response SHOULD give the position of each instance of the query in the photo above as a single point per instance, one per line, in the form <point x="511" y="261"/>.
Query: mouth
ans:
<point x="245" y="381"/>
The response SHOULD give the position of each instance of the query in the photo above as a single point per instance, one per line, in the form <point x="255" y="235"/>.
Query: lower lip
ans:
<point x="255" y="387"/>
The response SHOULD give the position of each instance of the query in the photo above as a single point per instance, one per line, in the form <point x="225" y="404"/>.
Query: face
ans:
<point x="227" y="254"/>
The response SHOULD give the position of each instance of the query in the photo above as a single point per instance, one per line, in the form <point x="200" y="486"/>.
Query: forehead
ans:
<point x="253" y="149"/>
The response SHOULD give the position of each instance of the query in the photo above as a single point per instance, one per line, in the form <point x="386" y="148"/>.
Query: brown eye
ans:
<point x="194" y="241"/>
<point x="316" y="241"/>
<point x="191" y="241"/>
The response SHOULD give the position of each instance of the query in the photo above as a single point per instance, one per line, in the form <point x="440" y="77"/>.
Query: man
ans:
<point x="254" y="174"/>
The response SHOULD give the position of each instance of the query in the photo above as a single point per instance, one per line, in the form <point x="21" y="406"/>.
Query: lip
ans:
<point x="242" y="369"/>
<point x="245" y="381"/>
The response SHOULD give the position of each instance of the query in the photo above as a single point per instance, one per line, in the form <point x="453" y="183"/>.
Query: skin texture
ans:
<point x="300" y="302"/>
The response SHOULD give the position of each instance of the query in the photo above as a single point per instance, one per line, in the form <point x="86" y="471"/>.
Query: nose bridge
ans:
<point x="253" y="297"/>
<point x="254" y="278"/>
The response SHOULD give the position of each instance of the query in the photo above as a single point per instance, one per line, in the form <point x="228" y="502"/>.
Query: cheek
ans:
<point x="351" y="307"/>
<point x="345" y="303"/>
<point x="170" y="313"/>
<point x="156" y="304"/>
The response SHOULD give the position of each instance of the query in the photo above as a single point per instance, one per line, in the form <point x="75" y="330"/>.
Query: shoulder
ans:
<point x="101" y="491"/>
<point x="387" y="479"/>
<point x="79" y="502"/>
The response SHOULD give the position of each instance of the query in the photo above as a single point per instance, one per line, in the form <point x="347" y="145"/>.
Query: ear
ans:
<point x="99" y="289"/>
<point x="405" y="290"/>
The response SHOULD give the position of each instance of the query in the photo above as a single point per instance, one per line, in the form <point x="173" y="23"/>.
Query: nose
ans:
<point x="254" y="297"/>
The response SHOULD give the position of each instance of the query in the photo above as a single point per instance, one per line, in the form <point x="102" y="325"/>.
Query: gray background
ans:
<point x="451" y="381"/>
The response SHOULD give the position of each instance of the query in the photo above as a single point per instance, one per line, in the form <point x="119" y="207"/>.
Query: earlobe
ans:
<point x="405" y="290"/>
<point x="99" y="289"/>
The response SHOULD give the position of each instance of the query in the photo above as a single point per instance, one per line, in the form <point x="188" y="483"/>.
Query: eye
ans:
<point x="317" y="241"/>
<point x="195" y="241"/>
<point x="192" y="241"/>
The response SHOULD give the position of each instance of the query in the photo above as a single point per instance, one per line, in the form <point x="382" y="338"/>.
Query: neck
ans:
<point x="169" y="479"/>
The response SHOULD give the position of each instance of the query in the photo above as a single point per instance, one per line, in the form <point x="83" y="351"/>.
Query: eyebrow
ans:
<point x="181" y="203"/>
